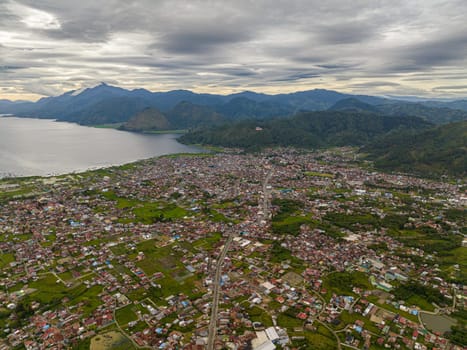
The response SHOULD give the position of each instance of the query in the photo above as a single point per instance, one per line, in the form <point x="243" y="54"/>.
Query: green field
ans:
<point x="208" y="242"/>
<point x="125" y="315"/>
<point x="259" y="315"/>
<point x="48" y="291"/>
<point x="6" y="259"/>
<point x="88" y="297"/>
<point x="342" y="283"/>
<point x="317" y="174"/>
<point x="167" y="260"/>
<point x="321" y="339"/>
<point x="289" y="322"/>
<point x="147" y="212"/>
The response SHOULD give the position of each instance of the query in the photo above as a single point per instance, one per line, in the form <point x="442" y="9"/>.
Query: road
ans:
<point x="266" y="197"/>
<point x="220" y="261"/>
<point x="216" y="292"/>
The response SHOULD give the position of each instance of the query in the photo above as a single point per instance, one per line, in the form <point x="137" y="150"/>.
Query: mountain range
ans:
<point x="106" y="104"/>
<point x="425" y="137"/>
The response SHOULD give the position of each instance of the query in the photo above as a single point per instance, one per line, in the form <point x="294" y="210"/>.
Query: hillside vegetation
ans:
<point x="433" y="114"/>
<point x="433" y="152"/>
<point x="148" y="119"/>
<point x="311" y="129"/>
<point x="185" y="115"/>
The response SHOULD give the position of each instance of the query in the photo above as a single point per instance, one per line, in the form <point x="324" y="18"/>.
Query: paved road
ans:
<point x="266" y="197"/>
<point x="220" y="261"/>
<point x="216" y="293"/>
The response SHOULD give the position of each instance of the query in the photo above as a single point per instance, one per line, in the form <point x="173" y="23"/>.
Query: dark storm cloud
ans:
<point x="440" y="51"/>
<point x="347" y="33"/>
<point x="275" y="46"/>
<point x="199" y="40"/>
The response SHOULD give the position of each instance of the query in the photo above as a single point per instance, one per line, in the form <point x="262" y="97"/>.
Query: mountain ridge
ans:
<point x="110" y="104"/>
<point x="305" y="130"/>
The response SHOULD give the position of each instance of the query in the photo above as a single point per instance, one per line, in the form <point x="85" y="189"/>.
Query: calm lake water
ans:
<point x="45" y="147"/>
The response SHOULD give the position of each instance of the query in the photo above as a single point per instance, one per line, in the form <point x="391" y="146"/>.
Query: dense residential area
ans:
<point x="293" y="249"/>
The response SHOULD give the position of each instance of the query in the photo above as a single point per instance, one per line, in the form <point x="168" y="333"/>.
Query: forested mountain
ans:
<point x="353" y="104"/>
<point x="148" y="119"/>
<point x="437" y="115"/>
<point x="437" y="151"/>
<point x="109" y="104"/>
<point x="458" y="104"/>
<point x="245" y="108"/>
<point x="187" y="115"/>
<point x="310" y="129"/>
<point x="184" y="115"/>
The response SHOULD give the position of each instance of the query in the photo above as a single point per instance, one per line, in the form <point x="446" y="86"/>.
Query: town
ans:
<point x="283" y="249"/>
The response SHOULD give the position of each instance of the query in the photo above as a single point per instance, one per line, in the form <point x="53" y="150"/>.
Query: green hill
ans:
<point x="311" y="129"/>
<point x="436" y="115"/>
<point x="184" y="115"/>
<point x="437" y="151"/>
<point x="187" y="115"/>
<point x="148" y="119"/>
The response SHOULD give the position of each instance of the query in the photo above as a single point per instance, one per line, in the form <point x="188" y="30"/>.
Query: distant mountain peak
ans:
<point x="86" y="88"/>
<point x="104" y="103"/>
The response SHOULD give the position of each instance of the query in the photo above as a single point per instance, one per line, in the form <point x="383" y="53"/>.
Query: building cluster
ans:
<point x="134" y="250"/>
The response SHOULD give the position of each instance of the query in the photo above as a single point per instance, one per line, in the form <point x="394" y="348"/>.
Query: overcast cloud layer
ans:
<point x="392" y="47"/>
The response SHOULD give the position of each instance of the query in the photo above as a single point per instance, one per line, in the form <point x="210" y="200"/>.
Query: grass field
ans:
<point x="48" y="291"/>
<point x="321" y="339"/>
<point x="111" y="341"/>
<point x="89" y="298"/>
<point x="148" y="212"/>
<point x="6" y="259"/>
<point x="126" y="315"/>
<point x="342" y="283"/>
<point x="288" y="322"/>
<point x="259" y="315"/>
<point x="208" y="242"/>
<point x="167" y="260"/>
<point x="317" y="174"/>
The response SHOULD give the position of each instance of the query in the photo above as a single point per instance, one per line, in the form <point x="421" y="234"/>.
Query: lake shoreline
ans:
<point x="42" y="147"/>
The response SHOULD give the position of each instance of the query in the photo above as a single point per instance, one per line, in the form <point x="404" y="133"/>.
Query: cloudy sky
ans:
<point x="397" y="47"/>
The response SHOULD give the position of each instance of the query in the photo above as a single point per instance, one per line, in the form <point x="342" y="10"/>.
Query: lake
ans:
<point x="44" y="147"/>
